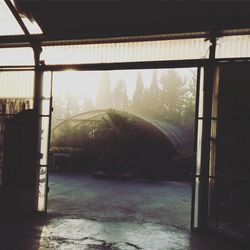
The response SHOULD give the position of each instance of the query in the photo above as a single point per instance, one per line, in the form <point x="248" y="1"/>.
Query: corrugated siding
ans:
<point x="126" y="52"/>
<point x="16" y="84"/>
<point x="16" y="56"/>
<point x="233" y="46"/>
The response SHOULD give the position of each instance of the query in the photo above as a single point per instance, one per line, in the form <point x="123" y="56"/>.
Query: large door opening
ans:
<point x="122" y="146"/>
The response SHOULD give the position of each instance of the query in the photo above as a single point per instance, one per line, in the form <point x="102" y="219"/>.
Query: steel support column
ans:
<point x="37" y="49"/>
<point x="209" y="72"/>
<point x="38" y="80"/>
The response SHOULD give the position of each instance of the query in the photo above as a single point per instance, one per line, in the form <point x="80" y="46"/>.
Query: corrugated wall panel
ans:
<point x="126" y="51"/>
<point x="16" y="56"/>
<point x="233" y="46"/>
<point x="16" y="84"/>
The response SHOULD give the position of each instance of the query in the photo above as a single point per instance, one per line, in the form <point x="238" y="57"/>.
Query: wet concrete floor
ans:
<point x="86" y="213"/>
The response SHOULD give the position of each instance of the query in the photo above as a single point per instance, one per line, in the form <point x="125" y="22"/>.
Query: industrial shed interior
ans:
<point x="39" y="40"/>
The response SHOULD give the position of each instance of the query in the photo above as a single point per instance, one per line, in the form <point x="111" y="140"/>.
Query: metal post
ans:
<point x="37" y="88"/>
<point x="209" y="71"/>
<point x="38" y="79"/>
<point x="195" y="146"/>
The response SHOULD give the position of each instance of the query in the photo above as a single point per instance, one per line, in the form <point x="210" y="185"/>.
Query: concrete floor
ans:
<point x="140" y="201"/>
<point x="86" y="213"/>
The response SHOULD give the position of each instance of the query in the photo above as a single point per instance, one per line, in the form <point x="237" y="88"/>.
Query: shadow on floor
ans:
<point x="63" y="232"/>
<point x="140" y="215"/>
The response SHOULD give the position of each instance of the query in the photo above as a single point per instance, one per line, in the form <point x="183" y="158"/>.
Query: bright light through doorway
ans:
<point x="86" y="83"/>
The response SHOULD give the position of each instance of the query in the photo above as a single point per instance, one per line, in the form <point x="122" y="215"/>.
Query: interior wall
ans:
<point x="232" y="201"/>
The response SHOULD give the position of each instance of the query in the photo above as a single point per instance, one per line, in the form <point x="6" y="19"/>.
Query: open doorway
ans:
<point x="122" y="146"/>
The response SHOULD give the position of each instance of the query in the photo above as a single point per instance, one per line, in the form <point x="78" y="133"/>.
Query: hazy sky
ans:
<point x="86" y="83"/>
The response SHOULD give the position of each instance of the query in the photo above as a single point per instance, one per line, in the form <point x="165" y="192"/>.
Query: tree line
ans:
<point x="168" y="97"/>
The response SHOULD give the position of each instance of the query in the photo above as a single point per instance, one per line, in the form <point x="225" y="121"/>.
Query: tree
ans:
<point x="189" y="100"/>
<point x="103" y="98"/>
<point x="171" y="96"/>
<point x="87" y="104"/>
<point x="65" y="107"/>
<point x="137" y="101"/>
<point x="72" y="105"/>
<point x="151" y="98"/>
<point x="58" y="109"/>
<point x="119" y="96"/>
<point x="153" y="88"/>
<point x="113" y="137"/>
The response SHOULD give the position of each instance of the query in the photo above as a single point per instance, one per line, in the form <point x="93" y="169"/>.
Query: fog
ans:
<point x="139" y="122"/>
<point x="166" y="94"/>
